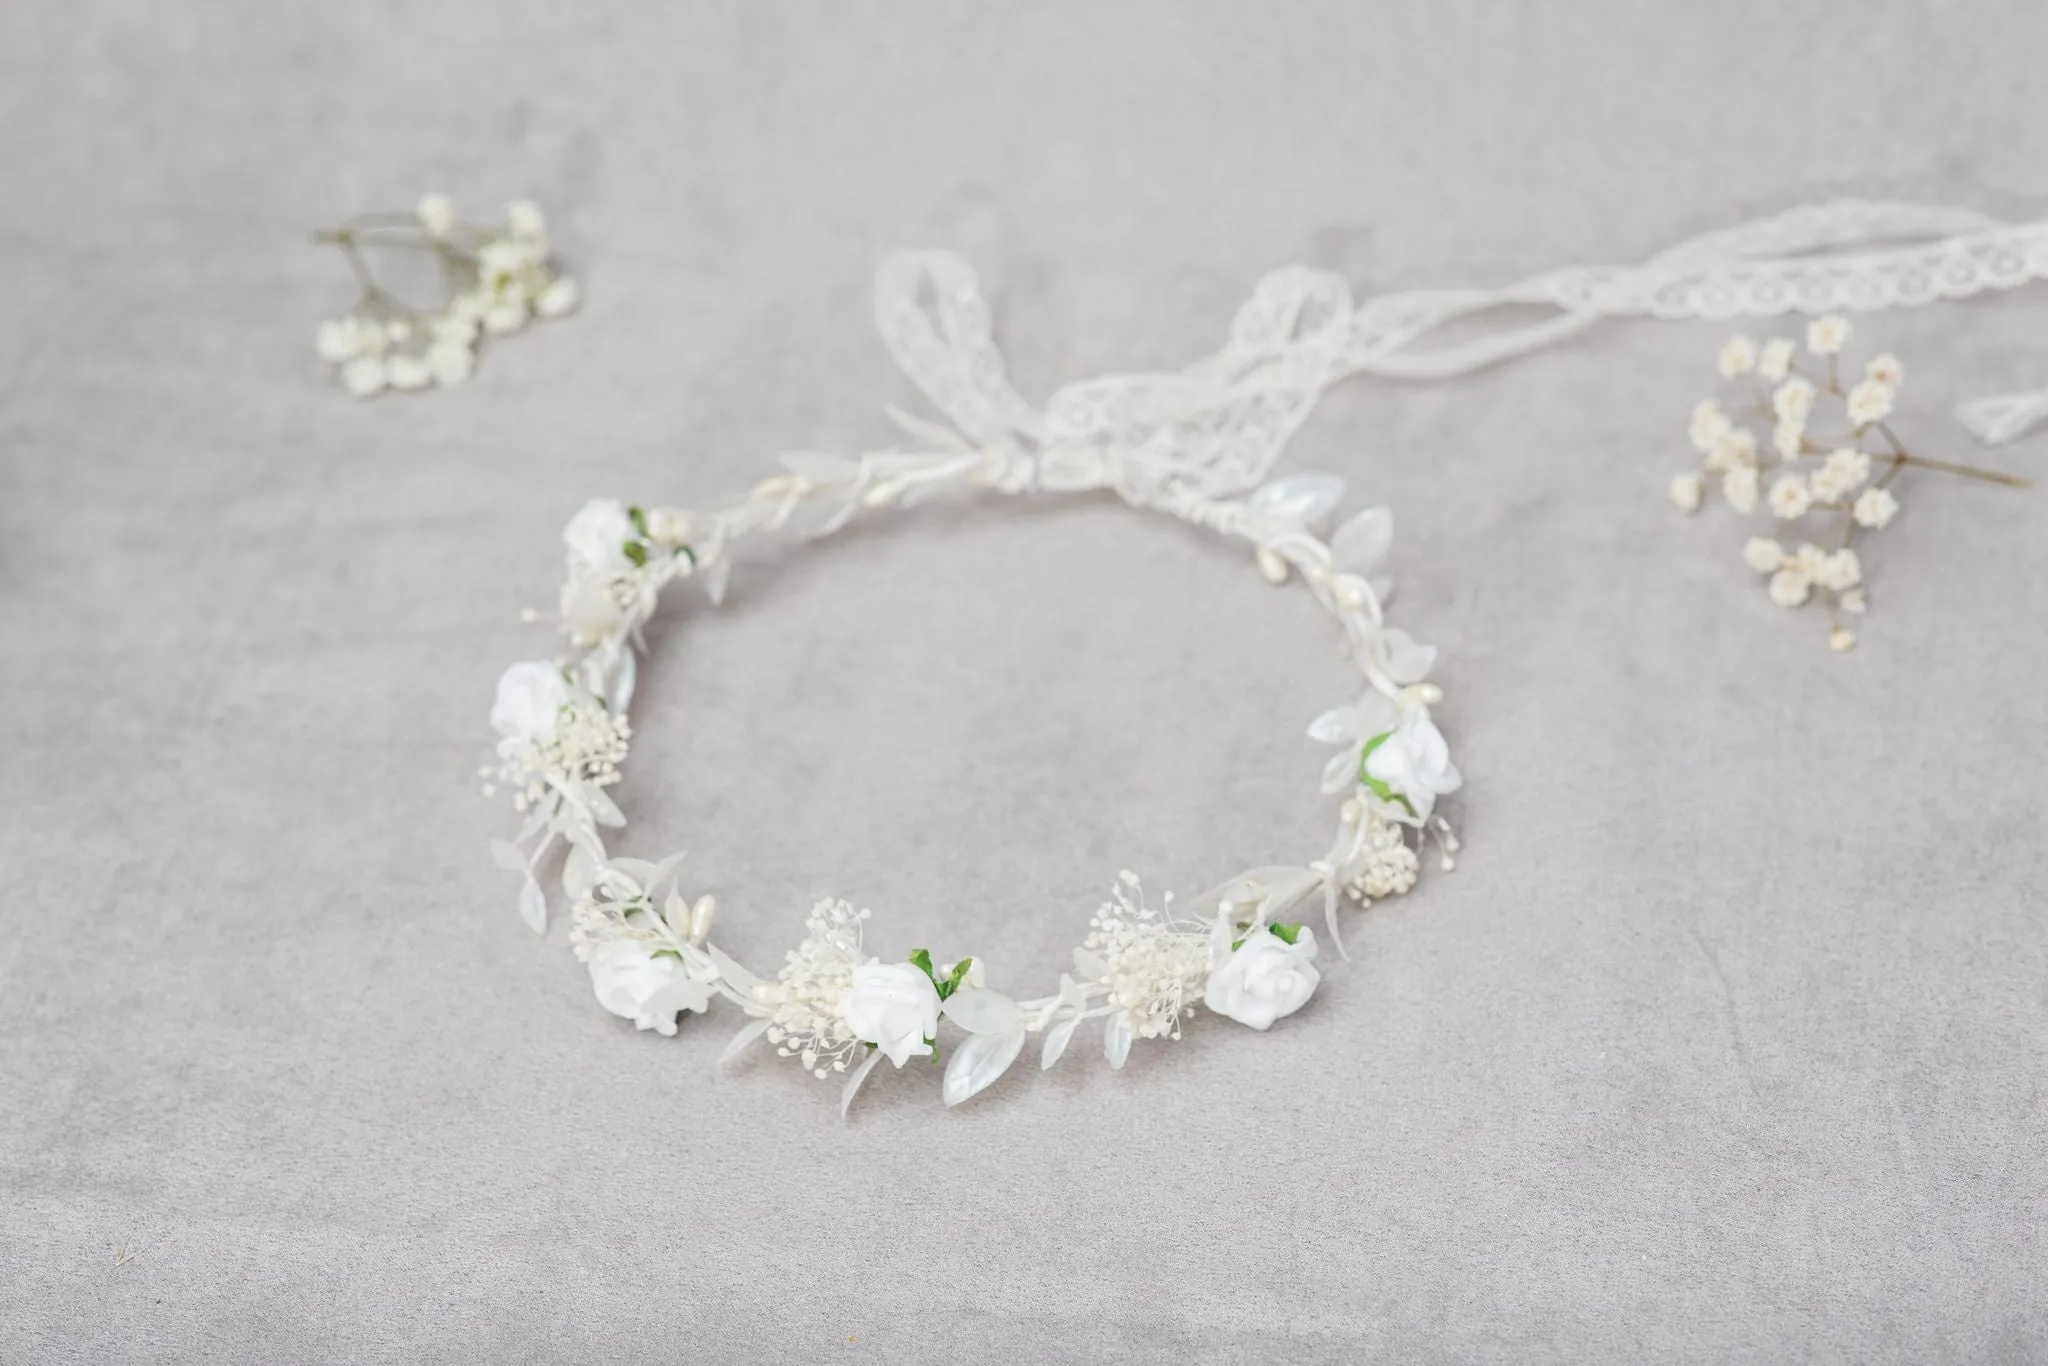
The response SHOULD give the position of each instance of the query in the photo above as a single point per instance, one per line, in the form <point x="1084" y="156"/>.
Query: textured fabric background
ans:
<point x="1726" y="1041"/>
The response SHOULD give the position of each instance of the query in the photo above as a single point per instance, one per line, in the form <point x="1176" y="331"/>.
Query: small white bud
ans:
<point x="559" y="299"/>
<point x="408" y="372"/>
<point x="437" y="214"/>
<point x="363" y="376"/>
<point x="524" y="218"/>
<point x="336" y="340"/>
<point x="504" y="320"/>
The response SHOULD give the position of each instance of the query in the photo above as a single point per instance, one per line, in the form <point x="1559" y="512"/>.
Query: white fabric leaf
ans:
<point x="860" y="1074"/>
<point x="753" y="1031"/>
<point x="977" y="1063"/>
<point x="1407" y="660"/>
<point x="625" y="672"/>
<point x="1341" y="772"/>
<point x="981" y="1011"/>
<point x="677" y="913"/>
<point x="603" y="809"/>
<point x="1116" y="1040"/>
<point x="533" y="907"/>
<point x="1361" y="543"/>
<point x="662" y="870"/>
<point x="638" y="869"/>
<point x="1331" y="901"/>
<point x="730" y="972"/>
<point x="1091" y="968"/>
<point x="1056" y="1040"/>
<point x="1337" y="726"/>
<point x="820" y="467"/>
<point x="714" y="578"/>
<point x="507" y="855"/>
<point x="579" y="872"/>
<point x="1305" y="498"/>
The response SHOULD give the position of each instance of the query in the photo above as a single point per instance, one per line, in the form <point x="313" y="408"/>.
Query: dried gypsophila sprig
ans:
<point x="1835" y="487"/>
<point x="494" y="280"/>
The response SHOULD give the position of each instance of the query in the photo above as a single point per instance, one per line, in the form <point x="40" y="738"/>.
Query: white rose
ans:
<point x="1262" y="979"/>
<point x="1415" y="762"/>
<point x="893" y="1006"/>
<point x="631" y="981"/>
<point x="597" y="536"/>
<point x="590" y="612"/>
<point x="530" y="701"/>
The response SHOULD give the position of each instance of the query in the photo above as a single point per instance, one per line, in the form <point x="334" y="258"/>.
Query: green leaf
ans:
<point x="638" y="516"/>
<point x="954" y="978"/>
<point x="922" y="960"/>
<point x="1378" y="788"/>
<point x="634" y="551"/>
<point x="1236" y="944"/>
<point x="1288" y="933"/>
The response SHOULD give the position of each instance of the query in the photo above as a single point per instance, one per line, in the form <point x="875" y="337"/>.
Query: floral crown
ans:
<point x="1198" y="445"/>
<point x="1141" y="971"/>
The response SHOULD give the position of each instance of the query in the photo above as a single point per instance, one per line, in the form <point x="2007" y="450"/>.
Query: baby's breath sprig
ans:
<point x="1843" y="497"/>
<point x="494" y="279"/>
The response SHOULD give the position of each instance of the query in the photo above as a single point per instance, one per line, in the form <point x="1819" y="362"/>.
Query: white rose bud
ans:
<point x="437" y="214"/>
<point x="530" y="701"/>
<point x="893" y="1006"/>
<point x="1262" y="979"/>
<point x="631" y="981"/>
<point x="1415" y="763"/>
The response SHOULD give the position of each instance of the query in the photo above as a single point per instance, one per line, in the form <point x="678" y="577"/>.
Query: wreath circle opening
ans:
<point x="1141" y="971"/>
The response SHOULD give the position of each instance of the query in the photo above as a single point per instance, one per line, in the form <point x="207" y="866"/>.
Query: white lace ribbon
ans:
<point x="1217" y="427"/>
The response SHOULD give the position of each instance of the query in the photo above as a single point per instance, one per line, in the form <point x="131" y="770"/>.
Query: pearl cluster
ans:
<point x="495" y="280"/>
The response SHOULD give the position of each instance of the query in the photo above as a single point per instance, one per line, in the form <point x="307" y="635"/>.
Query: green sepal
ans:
<point x="921" y="959"/>
<point x="934" y="1045"/>
<point x="954" y="978"/>
<point x="687" y="554"/>
<point x="637" y="515"/>
<point x="1374" y="785"/>
<point x="666" y="953"/>
<point x="1287" y="934"/>
<point x="635" y="552"/>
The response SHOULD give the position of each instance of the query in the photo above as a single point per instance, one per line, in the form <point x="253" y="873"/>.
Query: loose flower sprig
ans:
<point x="1827" y="490"/>
<point x="494" y="279"/>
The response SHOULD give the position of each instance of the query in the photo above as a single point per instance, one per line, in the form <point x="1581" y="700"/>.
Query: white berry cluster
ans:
<point x="1822" y="485"/>
<point x="495" y="280"/>
<point x="807" y="998"/>
<point x="1154" y="968"/>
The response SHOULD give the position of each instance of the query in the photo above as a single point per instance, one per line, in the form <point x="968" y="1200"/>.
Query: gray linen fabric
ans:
<point x="1725" y="1042"/>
